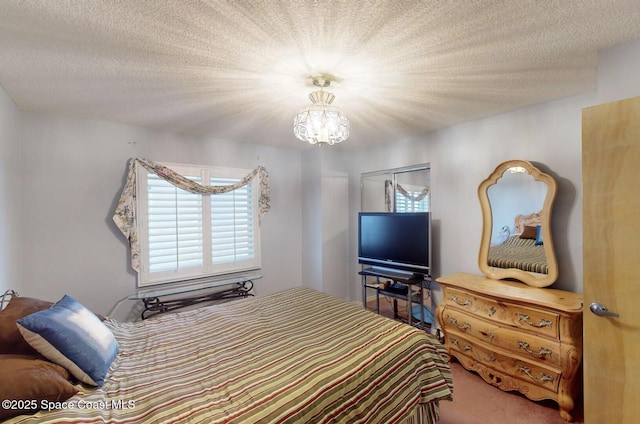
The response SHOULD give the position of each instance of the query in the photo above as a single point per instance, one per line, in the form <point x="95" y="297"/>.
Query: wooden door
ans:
<point x="611" y="219"/>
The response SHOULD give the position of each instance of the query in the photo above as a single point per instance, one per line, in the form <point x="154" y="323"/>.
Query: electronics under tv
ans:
<point x="397" y="241"/>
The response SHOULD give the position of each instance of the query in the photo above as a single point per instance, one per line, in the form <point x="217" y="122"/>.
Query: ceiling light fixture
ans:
<point x="320" y="123"/>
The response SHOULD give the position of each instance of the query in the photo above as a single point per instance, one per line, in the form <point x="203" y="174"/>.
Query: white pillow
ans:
<point x="72" y="336"/>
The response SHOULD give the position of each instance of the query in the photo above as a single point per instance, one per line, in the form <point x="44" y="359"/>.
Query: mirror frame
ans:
<point x="529" y="278"/>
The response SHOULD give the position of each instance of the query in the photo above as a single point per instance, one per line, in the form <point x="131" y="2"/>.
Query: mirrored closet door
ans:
<point x="403" y="189"/>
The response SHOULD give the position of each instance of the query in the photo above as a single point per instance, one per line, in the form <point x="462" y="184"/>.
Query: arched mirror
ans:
<point x="516" y="201"/>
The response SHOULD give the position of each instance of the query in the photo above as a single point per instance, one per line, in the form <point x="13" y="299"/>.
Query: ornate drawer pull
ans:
<point x="527" y="319"/>
<point x="543" y="376"/>
<point x="488" y="334"/>
<point x="464" y="326"/>
<point x="454" y="341"/>
<point x="454" y="298"/>
<point x="541" y="352"/>
<point x="491" y="357"/>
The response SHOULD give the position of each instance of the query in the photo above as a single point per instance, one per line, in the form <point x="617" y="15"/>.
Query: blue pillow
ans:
<point x="72" y="336"/>
<point x="538" y="235"/>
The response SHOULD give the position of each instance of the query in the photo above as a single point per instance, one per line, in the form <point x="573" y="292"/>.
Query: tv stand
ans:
<point x="407" y="287"/>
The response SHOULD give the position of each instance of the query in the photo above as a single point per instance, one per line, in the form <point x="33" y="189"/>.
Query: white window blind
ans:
<point x="185" y="236"/>
<point x="175" y="226"/>
<point x="405" y="204"/>
<point x="232" y="224"/>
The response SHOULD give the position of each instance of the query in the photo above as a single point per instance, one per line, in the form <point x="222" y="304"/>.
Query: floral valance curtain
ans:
<point x="388" y="194"/>
<point x="125" y="213"/>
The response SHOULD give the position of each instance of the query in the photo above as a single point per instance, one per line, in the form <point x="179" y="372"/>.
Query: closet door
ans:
<point x="611" y="219"/>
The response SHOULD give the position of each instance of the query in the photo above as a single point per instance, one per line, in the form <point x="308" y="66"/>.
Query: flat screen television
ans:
<point x="398" y="241"/>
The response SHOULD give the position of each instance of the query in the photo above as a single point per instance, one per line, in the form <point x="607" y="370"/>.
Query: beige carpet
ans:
<point x="476" y="402"/>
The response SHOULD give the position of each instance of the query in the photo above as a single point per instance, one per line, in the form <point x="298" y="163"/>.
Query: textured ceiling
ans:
<point x="240" y="70"/>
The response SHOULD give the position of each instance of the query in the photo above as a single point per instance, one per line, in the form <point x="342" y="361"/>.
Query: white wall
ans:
<point x="618" y="71"/>
<point x="335" y="223"/>
<point x="72" y="174"/>
<point x="312" y="219"/>
<point x="10" y="187"/>
<point x="462" y="156"/>
<point x="326" y="220"/>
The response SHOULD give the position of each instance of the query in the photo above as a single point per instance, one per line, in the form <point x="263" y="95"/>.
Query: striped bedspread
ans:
<point x="519" y="253"/>
<point x="298" y="356"/>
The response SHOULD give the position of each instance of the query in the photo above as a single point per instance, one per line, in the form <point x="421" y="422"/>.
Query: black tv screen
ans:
<point x="399" y="241"/>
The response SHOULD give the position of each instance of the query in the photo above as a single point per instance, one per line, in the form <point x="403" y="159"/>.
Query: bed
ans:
<point x="291" y="357"/>
<point x="524" y="250"/>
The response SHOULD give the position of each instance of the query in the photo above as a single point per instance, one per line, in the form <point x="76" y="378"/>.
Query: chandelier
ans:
<point x="320" y="123"/>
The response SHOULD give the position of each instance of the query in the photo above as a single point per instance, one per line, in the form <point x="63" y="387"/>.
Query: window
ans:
<point x="406" y="204"/>
<point x="187" y="236"/>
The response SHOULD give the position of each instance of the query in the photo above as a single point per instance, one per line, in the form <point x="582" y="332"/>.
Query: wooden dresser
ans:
<point x="515" y="336"/>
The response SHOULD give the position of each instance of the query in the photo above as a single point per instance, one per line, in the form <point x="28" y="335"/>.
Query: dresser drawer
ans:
<point x="529" y="372"/>
<point x="539" y="321"/>
<point x="526" y="345"/>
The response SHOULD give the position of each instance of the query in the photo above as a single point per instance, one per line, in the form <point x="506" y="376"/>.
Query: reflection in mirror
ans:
<point x="372" y="191"/>
<point x="396" y="190"/>
<point x="410" y="192"/>
<point x="516" y="203"/>
<point x="516" y="193"/>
